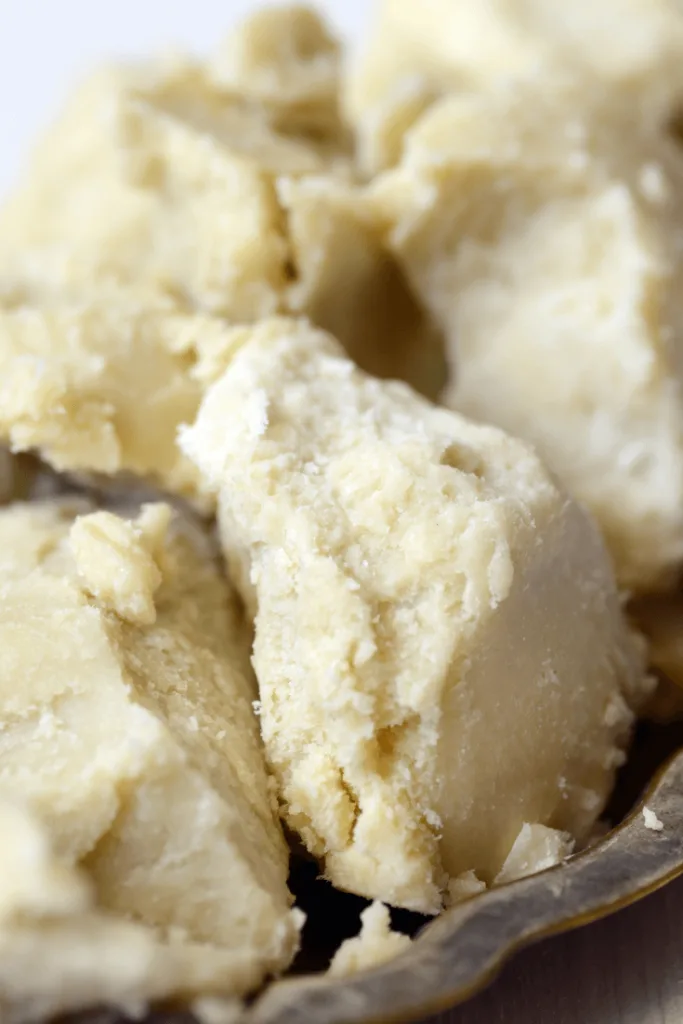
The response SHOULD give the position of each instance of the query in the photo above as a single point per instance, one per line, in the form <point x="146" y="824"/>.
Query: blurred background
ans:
<point x="48" y="45"/>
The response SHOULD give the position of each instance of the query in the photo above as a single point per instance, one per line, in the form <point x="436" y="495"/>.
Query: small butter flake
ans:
<point x="116" y="560"/>
<point x="374" y="945"/>
<point x="617" y="712"/>
<point x="652" y="821"/>
<point x="193" y="723"/>
<point x="464" y="887"/>
<point x="536" y="848"/>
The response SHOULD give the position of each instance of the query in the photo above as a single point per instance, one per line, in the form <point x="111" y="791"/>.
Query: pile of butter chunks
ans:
<point x="342" y="430"/>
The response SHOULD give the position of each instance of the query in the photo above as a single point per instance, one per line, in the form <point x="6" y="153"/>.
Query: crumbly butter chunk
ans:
<point x="127" y="730"/>
<point x="438" y="632"/>
<point x="163" y="175"/>
<point x="536" y="848"/>
<point x="635" y="46"/>
<point x="287" y="59"/>
<point x="118" y="560"/>
<point x="87" y="956"/>
<point x="374" y="945"/>
<point x="463" y="887"/>
<point x="544" y="232"/>
<point x="186" y="179"/>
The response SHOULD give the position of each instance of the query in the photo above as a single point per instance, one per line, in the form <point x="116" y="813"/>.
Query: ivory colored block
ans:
<point x="439" y="646"/>
<point x="544" y="231"/>
<point x="128" y="733"/>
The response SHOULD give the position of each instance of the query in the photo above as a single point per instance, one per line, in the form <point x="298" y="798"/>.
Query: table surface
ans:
<point x="627" y="969"/>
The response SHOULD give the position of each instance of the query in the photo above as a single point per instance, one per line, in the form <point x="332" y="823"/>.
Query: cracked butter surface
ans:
<point x="439" y="643"/>
<point x="132" y="742"/>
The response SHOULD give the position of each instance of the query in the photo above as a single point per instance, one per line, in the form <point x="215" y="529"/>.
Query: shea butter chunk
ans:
<point x="374" y="945"/>
<point x="88" y="956"/>
<point x="438" y="633"/>
<point x="544" y="231"/>
<point x="224" y="186"/>
<point x="128" y="731"/>
<point x="634" y="46"/>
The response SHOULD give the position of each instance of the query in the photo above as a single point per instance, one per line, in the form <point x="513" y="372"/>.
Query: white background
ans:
<point x="48" y="45"/>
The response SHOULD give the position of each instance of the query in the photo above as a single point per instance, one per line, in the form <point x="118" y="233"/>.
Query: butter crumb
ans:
<point x="652" y="821"/>
<point x="464" y="887"/>
<point x="374" y="945"/>
<point x="536" y="848"/>
<point x="116" y="560"/>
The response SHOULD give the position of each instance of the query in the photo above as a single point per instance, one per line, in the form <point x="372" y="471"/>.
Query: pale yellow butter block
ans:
<point x="127" y="188"/>
<point x="635" y="46"/>
<point x="375" y="944"/>
<point x="61" y="952"/>
<point x="287" y="58"/>
<point x="544" y="233"/>
<point x="161" y="175"/>
<point x="439" y="642"/>
<point x="187" y="180"/>
<point x="127" y="729"/>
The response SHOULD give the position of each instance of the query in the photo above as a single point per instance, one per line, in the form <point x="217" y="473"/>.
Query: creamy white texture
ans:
<point x="131" y="736"/>
<point x="439" y="641"/>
